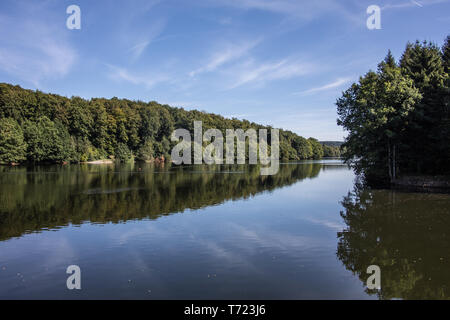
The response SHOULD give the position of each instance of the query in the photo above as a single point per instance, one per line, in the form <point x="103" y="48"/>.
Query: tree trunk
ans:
<point x="389" y="160"/>
<point x="394" y="164"/>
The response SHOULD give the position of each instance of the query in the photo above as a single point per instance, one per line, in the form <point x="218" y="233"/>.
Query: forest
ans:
<point x="38" y="127"/>
<point x="398" y="117"/>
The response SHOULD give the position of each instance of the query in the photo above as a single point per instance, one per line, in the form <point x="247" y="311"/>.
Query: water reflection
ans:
<point x="41" y="198"/>
<point x="406" y="234"/>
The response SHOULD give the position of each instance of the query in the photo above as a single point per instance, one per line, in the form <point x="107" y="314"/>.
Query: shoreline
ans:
<point x="106" y="161"/>
<point x="423" y="183"/>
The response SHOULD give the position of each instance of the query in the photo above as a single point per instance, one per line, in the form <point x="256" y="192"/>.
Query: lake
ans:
<point x="139" y="231"/>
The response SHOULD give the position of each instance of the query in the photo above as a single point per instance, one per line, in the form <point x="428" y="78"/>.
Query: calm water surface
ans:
<point x="217" y="232"/>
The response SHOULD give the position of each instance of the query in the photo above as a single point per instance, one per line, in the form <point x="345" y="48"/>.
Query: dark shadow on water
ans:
<point x="406" y="234"/>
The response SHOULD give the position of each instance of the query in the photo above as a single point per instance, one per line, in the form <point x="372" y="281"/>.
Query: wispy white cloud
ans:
<point x="225" y="20"/>
<point x="335" y="84"/>
<point x="123" y="74"/>
<point x="304" y="10"/>
<point x="236" y="115"/>
<point x="413" y="3"/>
<point x="138" y="49"/>
<point x="224" y="55"/>
<point x="336" y="226"/>
<point x="34" y="50"/>
<point x="269" y="71"/>
<point x="291" y="7"/>
<point x="142" y="41"/>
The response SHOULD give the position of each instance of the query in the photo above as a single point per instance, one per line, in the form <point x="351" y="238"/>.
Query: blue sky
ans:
<point x="277" y="62"/>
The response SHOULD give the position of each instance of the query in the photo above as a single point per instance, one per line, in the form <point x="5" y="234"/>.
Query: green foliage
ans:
<point x="12" y="144"/>
<point x="60" y="129"/>
<point x="85" y="151"/>
<point x="397" y="118"/>
<point x="48" y="141"/>
<point x="446" y="58"/>
<point x="331" y="151"/>
<point x="146" y="152"/>
<point x="317" y="149"/>
<point x="303" y="147"/>
<point x="123" y="153"/>
<point x="423" y="63"/>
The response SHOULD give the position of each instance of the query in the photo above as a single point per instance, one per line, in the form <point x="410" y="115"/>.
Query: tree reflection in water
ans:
<point x="406" y="234"/>
<point x="38" y="198"/>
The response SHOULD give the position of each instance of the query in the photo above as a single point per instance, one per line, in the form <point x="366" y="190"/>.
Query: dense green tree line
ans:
<point x="41" y="127"/>
<point x="398" y="117"/>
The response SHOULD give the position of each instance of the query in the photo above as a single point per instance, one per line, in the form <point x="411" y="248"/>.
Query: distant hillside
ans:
<point x="42" y="127"/>
<point x="332" y="143"/>
<point x="331" y="148"/>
